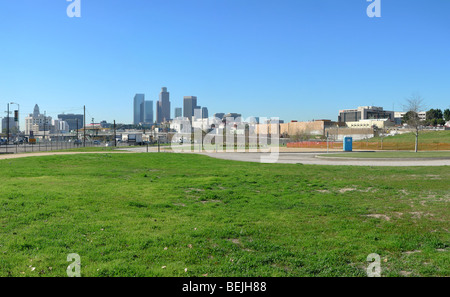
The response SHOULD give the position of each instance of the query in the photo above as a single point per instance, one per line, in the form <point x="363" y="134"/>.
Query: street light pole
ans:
<point x="45" y="120"/>
<point x="18" y="116"/>
<point x="7" y="126"/>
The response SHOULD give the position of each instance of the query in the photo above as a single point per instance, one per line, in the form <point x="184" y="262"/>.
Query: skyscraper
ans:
<point x="163" y="106"/>
<point x="189" y="105"/>
<point x="148" y="112"/>
<point x="204" y="112"/>
<point x="138" y="100"/>
<point x="178" y="112"/>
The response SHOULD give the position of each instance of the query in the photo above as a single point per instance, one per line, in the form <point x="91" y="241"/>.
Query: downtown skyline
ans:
<point x="296" y="60"/>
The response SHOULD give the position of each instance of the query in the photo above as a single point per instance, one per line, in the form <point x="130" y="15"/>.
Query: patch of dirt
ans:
<point x="379" y="216"/>
<point x="238" y="242"/>
<point x="323" y="191"/>
<point x="235" y="241"/>
<point x="433" y="176"/>
<point x="369" y="189"/>
<point x="210" y="201"/>
<point x="405" y="273"/>
<point x="419" y="214"/>
<point x="412" y="252"/>
<point x="180" y="204"/>
<point x="343" y="190"/>
<point x="404" y="192"/>
<point x="194" y="190"/>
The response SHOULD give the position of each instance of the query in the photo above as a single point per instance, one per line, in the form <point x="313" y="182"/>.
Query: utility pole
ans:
<point x="45" y="120"/>
<point x="115" y="138"/>
<point x="77" y="129"/>
<point x="327" y="142"/>
<point x="7" y="126"/>
<point x="18" y="114"/>
<point x="84" y="126"/>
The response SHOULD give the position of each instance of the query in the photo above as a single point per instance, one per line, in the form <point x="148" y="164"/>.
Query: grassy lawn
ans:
<point x="389" y="155"/>
<point x="133" y="214"/>
<point x="425" y="136"/>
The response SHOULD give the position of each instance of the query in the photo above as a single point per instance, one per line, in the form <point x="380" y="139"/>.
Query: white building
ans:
<point x="37" y="122"/>
<point x="381" y="124"/>
<point x="59" y="126"/>
<point x="399" y="116"/>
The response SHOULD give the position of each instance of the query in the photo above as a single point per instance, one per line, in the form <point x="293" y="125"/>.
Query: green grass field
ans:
<point x="425" y="137"/>
<point x="395" y="155"/>
<point x="158" y="214"/>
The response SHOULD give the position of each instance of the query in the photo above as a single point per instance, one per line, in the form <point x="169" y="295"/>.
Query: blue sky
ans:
<point x="293" y="59"/>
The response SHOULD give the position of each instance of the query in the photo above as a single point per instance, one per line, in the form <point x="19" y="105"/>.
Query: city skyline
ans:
<point x="296" y="60"/>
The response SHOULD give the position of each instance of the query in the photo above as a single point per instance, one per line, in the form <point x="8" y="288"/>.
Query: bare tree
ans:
<point x="414" y="105"/>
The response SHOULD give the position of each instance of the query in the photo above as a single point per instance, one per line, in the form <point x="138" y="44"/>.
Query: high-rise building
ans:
<point x="147" y="107"/>
<point x="204" y="112"/>
<point x="71" y="120"/>
<point x="178" y="112"/>
<point x="12" y="124"/>
<point x="37" y="122"/>
<point x="163" y="106"/>
<point x="138" y="100"/>
<point x="189" y="105"/>
<point x="200" y="112"/>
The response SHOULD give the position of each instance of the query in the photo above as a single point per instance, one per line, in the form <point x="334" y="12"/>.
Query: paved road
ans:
<point x="310" y="158"/>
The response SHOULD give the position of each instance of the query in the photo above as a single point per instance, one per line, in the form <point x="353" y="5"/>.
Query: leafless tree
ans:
<point x="414" y="104"/>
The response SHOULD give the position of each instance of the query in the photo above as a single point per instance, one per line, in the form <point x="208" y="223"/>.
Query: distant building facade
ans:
<point x="204" y="112"/>
<point x="189" y="106"/>
<point x="178" y="112"/>
<point x="365" y="113"/>
<point x="219" y="115"/>
<point x="37" y="122"/>
<point x="12" y="124"/>
<point x="399" y="116"/>
<point x="75" y="121"/>
<point x="137" y="103"/>
<point x="147" y="112"/>
<point x="163" y="106"/>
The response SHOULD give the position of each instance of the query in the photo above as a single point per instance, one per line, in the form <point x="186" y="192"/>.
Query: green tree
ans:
<point x="434" y="117"/>
<point x="447" y="115"/>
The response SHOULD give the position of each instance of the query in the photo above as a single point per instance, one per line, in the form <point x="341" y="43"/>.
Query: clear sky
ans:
<point x="293" y="59"/>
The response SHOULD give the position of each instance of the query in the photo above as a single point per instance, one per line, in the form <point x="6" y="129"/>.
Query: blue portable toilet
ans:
<point x="348" y="144"/>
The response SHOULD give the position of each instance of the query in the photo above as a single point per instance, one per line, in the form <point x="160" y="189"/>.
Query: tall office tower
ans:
<point x="178" y="112"/>
<point x="148" y="111"/>
<point x="204" y="112"/>
<point x="12" y="124"/>
<point x="36" y="112"/>
<point x="189" y="105"/>
<point x="138" y="100"/>
<point x="163" y="106"/>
